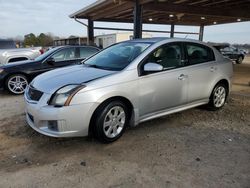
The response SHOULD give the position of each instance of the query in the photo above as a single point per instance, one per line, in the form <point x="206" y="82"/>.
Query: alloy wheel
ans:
<point x="17" y="84"/>
<point x="219" y="97"/>
<point x="240" y="60"/>
<point x="114" y="122"/>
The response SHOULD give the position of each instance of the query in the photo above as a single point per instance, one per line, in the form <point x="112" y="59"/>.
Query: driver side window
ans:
<point x="169" y="56"/>
<point x="64" y="55"/>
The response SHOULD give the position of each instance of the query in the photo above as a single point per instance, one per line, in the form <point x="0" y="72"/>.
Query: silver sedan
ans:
<point x="126" y="84"/>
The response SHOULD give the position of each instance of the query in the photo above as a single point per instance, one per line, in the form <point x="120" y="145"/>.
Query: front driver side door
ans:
<point x="168" y="88"/>
<point x="62" y="58"/>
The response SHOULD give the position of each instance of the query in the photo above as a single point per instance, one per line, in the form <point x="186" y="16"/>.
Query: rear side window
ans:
<point x="228" y="49"/>
<point x="64" y="55"/>
<point x="199" y="54"/>
<point x="86" y="52"/>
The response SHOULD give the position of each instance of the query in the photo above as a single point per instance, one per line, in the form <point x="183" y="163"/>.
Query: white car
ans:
<point x="9" y="53"/>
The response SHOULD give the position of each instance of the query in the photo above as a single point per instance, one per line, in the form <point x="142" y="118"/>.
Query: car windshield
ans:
<point x="46" y="54"/>
<point x="118" y="56"/>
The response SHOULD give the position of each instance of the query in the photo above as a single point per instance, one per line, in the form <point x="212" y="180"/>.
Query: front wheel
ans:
<point x="16" y="84"/>
<point x="111" y="121"/>
<point x="218" y="97"/>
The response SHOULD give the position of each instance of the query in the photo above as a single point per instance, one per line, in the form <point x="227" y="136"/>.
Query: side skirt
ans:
<point x="172" y="110"/>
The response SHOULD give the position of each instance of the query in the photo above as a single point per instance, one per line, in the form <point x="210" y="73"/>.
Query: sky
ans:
<point x="20" y="17"/>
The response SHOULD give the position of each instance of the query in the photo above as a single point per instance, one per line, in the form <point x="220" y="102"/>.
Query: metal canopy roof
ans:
<point x="179" y="12"/>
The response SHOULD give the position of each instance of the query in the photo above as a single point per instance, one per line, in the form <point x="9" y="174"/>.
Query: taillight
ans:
<point x="41" y="51"/>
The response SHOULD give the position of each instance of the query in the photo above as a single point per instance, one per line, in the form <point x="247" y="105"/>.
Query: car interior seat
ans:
<point x="196" y="57"/>
<point x="170" y="58"/>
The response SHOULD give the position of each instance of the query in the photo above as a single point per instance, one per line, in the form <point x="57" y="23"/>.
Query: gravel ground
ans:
<point x="194" y="148"/>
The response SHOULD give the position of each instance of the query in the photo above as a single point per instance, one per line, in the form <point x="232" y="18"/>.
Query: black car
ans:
<point x="233" y="54"/>
<point x="16" y="76"/>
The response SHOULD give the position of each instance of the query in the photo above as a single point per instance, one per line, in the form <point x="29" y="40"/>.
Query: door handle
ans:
<point x="184" y="61"/>
<point x="182" y="77"/>
<point x="212" y="69"/>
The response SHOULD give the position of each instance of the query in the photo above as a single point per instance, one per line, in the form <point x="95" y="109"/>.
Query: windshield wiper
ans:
<point x="94" y="66"/>
<point x="100" y="67"/>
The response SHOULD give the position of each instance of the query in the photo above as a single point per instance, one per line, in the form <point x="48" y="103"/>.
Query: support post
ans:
<point x="172" y="31"/>
<point x="137" y="20"/>
<point x="90" y="32"/>
<point x="201" y="33"/>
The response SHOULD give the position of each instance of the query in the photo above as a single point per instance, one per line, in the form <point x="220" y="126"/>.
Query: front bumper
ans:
<point x="68" y="121"/>
<point x="2" y="81"/>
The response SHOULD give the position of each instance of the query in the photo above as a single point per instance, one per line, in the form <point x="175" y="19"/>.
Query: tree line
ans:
<point x="39" y="40"/>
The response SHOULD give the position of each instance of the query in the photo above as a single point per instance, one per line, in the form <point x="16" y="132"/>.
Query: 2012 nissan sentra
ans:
<point x="126" y="84"/>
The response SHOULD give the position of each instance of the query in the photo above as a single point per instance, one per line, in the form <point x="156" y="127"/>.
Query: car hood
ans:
<point x="51" y="81"/>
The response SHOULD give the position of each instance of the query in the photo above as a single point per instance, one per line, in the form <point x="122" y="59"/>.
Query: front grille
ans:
<point x="34" y="94"/>
<point x="52" y="125"/>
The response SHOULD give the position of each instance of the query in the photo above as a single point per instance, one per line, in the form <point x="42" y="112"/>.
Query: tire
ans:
<point x="218" y="97"/>
<point x="239" y="60"/>
<point x="110" y="121"/>
<point x="16" y="84"/>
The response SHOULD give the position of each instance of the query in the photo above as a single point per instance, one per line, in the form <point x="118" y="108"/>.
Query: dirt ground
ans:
<point x="194" y="148"/>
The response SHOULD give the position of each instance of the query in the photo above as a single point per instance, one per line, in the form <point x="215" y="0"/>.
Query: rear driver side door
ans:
<point x="202" y="71"/>
<point x="61" y="58"/>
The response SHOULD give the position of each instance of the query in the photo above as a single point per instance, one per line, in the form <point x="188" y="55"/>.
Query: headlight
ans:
<point x="1" y="70"/>
<point x="5" y="54"/>
<point x="63" y="96"/>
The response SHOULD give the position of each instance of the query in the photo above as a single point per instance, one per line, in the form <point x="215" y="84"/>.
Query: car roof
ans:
<point x="151" y="40"/>
<point x="156" y="40"/>
<point x="69" y="46"/>
<point x="166" y="39"/>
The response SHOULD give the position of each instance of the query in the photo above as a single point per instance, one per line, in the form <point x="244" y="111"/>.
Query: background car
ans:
<point x="7" y="44"/>
<point x="16" y="76"/>
<point x="231" y="52"/>
<point x="9" y="53"/>
<point x="125" y="84"/>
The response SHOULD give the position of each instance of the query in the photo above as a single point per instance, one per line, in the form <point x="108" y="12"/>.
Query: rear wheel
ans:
<point x="111" y="121"/>
<point x="16" y="84"/>
<point x="218" y="97"/>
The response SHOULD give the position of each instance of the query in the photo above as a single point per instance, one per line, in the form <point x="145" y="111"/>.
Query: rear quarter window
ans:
<point x="87" y="52"/>
<point x="197" y="53"/>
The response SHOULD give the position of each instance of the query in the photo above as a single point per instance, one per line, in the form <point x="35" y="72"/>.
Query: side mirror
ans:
<point x="50" y="61"/>
<point x="152" y="67"/>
